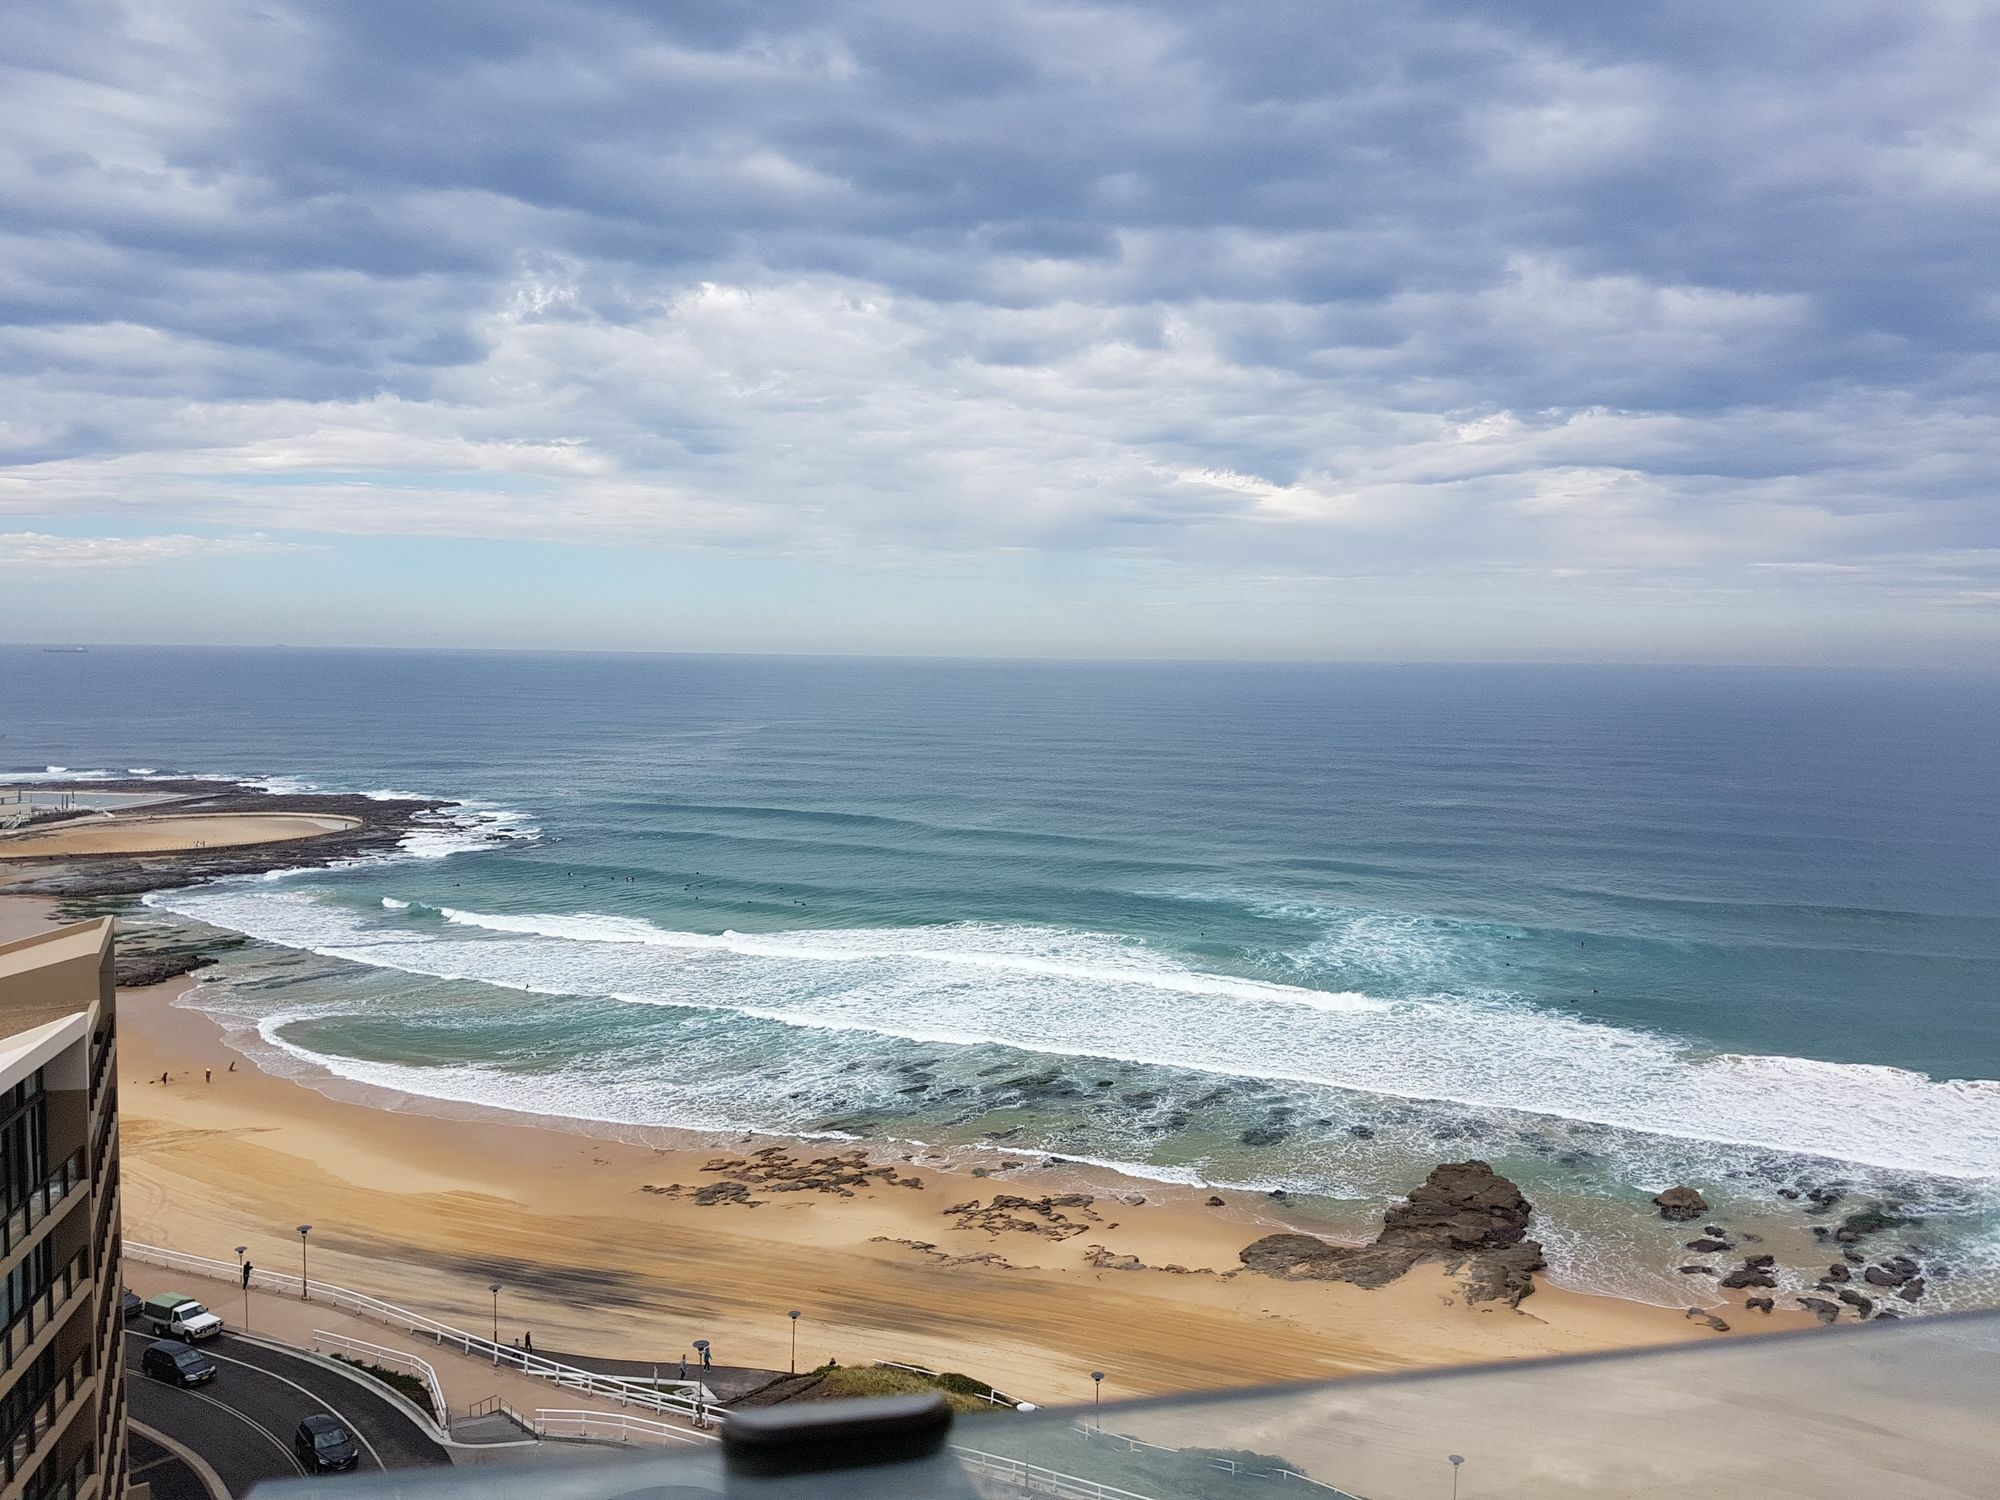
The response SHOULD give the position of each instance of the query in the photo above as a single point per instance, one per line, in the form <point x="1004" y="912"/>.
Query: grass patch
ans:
<point x="403" y="1384"/>
<point x="964" y="1394"/>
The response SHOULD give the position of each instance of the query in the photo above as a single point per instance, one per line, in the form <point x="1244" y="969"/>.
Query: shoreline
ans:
<point x="612" y="1245"/>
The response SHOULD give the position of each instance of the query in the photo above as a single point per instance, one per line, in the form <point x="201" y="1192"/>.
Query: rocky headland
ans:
<point x="380" y="825"/>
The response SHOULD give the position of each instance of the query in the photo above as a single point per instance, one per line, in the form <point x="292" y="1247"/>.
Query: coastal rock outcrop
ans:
<point x="1681" y="1204"/>
<point x="1465" y="1215"/>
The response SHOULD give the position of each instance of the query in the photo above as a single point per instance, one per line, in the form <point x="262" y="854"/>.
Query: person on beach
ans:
<point x="208" y="1075"/>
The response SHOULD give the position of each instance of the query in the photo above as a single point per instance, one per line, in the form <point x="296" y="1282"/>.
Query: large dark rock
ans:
<point x="1749" y="1276"/>
<point x="1912" y="1289"/>
<point x="1461" y="1206"/>
<point x="1465" y="1215"/>
<point x="1708" y="1246"/>
<point x="1681" y="1203"/>
<point x="1820" y="1308"/>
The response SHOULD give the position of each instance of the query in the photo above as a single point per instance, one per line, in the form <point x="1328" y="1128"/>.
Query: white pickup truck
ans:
<point x="176" y="1316"/>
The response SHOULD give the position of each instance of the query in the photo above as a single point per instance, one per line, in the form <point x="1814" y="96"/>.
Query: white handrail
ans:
<point x="990" y="1395"/>
<point x="1035" y="1478"/>
<point x="689" y="1399"/>
<point x="598" y="1424"/>
<point x="1225" y="1465"/>
<point x="360" y="1351"/>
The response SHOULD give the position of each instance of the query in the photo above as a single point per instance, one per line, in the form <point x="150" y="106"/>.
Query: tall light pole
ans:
<point x="305" y="1287"/>
<point x="1097" y="1398"/>
<point x="243" y="1275"/>
<point x="1456" y="1459"/>
<point x="495" y="1290"/>
<point x="794" y="1316"/>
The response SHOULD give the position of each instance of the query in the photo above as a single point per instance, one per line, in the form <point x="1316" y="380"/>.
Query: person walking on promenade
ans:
<point x="247" y="1269"/>
<point x="527" y="1341"/>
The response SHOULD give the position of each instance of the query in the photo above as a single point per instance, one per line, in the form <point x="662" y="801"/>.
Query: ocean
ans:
<point x="1310" y="928"/>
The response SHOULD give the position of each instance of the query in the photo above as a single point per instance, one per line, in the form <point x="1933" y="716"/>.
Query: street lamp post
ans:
<point x="1097" y="1398"/>
<point x="794" y="1316"/>
<point x="495" y="1290"/>
<point x="243" y="1275"/>
<point x="305" y="1286"/>
<point x="1455" y="1459"/>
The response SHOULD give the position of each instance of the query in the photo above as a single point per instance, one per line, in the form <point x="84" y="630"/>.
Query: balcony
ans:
<point x="78" y="1482"/>
<point x="23" y="1337"/>
<point x="35" y="1437"/>
<point x="43" y="1199"/>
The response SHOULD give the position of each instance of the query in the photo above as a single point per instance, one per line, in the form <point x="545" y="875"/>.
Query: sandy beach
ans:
<point x="166" y="833"/>
<point x="603" y="1246"/>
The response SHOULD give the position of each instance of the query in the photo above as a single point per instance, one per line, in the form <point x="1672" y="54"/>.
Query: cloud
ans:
<point x="30" y="549"/>
<point x="1436" y="292"/>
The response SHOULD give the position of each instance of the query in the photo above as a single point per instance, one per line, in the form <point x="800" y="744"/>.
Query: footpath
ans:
<point x="469" y="1383"/>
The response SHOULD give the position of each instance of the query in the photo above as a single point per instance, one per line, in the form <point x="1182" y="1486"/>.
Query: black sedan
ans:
<point x="177" y="1364"/>
<point x="323" y="1445"/>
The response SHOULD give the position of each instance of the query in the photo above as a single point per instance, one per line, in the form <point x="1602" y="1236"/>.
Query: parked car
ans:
<point x="130" y="1306"/>
<point x="180" y="1315"/>
<point x="323" y="1445"/>
<point x="177" y="1364"/>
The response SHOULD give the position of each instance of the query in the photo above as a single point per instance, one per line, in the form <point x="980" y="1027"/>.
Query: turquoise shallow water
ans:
<point x="1309" y="927"/>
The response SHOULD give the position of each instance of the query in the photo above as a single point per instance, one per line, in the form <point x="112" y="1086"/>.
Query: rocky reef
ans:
<point x="1465" y="1216"/>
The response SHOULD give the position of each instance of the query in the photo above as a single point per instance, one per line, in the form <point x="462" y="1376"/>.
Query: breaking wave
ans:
<point x="1078" y="994"/>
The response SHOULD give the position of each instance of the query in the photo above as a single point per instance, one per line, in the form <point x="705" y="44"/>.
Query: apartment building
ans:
<point x="62" y="1383"/>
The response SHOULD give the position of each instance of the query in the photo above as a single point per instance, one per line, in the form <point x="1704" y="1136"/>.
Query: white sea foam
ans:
<point x="1082" y="994"/>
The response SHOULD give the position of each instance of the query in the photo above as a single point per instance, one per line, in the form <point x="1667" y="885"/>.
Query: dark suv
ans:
<point x="177" y="1364"/>
<point x="323" y="1445"/>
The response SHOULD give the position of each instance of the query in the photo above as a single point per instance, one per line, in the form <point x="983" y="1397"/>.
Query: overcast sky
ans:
<point x="1276" y="329"/>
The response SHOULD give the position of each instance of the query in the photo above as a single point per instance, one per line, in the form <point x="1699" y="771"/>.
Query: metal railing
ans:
<point x="688" y="1399"/>
<point x="68" y="1176"/>
<point x="1222" y="1465"/>
<point x="1041" y="1481"/>
<point x="990" y="1395"/>
<point x="358" y="1351"/>
<point x="605" y="1426"/>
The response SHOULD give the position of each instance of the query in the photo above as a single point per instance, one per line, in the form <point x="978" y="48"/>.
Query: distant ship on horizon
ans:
<point x="67" y="650"/>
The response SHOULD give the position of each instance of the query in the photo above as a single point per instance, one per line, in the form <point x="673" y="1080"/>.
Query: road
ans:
<point x="242" y="1421"/>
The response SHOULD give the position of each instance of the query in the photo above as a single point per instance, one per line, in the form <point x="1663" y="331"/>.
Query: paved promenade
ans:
<point x="288" y="1318"/>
